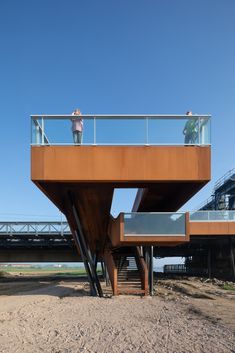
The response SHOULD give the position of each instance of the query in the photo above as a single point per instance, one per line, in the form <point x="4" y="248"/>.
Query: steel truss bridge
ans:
<point x="36" y="241"/>
<point x="30" y="234"/>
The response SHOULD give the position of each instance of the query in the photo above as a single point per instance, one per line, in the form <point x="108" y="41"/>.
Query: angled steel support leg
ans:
<point x="102" y="269"/>
<point x="86" y="264"/>
<point x="95" y="260"/>
<point x="87" y="254"/>
<point x="105" y="273"/>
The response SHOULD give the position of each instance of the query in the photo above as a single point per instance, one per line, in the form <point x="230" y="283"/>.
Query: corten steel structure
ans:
<point x="150" y="153"/>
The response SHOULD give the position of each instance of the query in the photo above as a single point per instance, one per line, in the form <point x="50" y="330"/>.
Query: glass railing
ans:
<point x="123" y="130"/>
<point x="213" y="216"/>
<point x="154" y="224"/>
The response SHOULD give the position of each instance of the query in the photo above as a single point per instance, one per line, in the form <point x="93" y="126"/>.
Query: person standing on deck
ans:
<point x="77" y="126"/>
<point x="190" y="130"/>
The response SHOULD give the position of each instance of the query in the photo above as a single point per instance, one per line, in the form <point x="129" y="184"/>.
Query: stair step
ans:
<point x="126" y="278"/>
<point x="129" y="287"/>
<point x="129" y="277"/>
<point x="131" y="291"/>
<point x="130" y="282"/>
<point x="130" y="273"/>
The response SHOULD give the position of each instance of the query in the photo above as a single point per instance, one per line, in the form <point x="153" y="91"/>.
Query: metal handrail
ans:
<point x="122" y="116"/>
<point x="155" y="213"/>
<point x="204" y="203"/>
<point x="224" y="178"/>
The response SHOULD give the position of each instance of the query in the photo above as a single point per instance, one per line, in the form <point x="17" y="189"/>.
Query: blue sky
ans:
<point x="111" y="57"/>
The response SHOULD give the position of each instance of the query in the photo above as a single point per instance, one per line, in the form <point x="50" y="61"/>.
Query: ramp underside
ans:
<point x="93" y="202"/>
<point x="165" y="196"/>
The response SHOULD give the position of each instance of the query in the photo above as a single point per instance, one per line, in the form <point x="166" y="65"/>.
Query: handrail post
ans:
<point x="199" y="132"/>
<point x="43" y="131"/>
<point x="37" y="132"/>
<point x="147" y="130"/>
<point x="94" y="131"/>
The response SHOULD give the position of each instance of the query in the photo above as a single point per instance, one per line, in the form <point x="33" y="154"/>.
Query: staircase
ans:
<point x="131" y="272"/>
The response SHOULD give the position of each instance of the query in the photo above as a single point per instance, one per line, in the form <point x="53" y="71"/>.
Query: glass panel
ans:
<point x="59" y="131"/>
<point x="204" y="137"/>
<point x="225" y="215"/>
<point x="154" y="224"/>
<point x="166" y="131"/>
<point x="199" y="216"/>
<point x="36" y="131"/>
<point x="120" y="131"/>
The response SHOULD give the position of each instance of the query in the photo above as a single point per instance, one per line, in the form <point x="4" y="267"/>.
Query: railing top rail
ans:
<point x="211" y="211"/>
<point x="33" y="222"/>
<point x="153" y="213"/>
<point x="123" y="116"/>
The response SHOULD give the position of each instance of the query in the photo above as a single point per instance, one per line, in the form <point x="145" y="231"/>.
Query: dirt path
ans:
<point x="59" y="317"/>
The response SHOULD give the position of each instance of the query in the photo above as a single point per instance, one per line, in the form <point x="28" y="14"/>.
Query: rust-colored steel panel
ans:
<point x="120" y="163"/>
<point x="212" y="228"/>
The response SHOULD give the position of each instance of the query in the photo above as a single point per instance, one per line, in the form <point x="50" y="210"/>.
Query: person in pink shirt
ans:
<point x="77" y="126"/>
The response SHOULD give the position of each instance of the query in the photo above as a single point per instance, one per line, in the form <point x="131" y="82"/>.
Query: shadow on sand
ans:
<point x="53" y="286"/>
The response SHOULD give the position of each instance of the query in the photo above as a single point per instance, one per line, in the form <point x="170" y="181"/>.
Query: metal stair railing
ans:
<point x="224" y="178"/>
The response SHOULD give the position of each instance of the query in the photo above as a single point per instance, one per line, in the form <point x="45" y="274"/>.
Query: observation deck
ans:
<point x="145" y="152"/>
<point x="167" y="157"/>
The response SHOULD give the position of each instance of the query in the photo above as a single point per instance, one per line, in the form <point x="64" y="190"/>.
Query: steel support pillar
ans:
<point x="151" y="284"/>
<point x="148" y="254"/>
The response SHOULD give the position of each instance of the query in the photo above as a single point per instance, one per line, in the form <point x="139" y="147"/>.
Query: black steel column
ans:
<point x="232" y="259"/>
<point x="87" y="268"/>
<point x="95" y="283"/>
<point x="209" y="262"/>
<point x="148" y="255"/>
<point x="151" y="284"/>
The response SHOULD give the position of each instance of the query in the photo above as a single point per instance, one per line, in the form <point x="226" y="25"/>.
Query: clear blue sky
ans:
<point x="111" y="57"/>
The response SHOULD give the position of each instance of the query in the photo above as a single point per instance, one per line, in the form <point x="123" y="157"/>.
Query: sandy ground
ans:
<point x="58" y="316"/>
